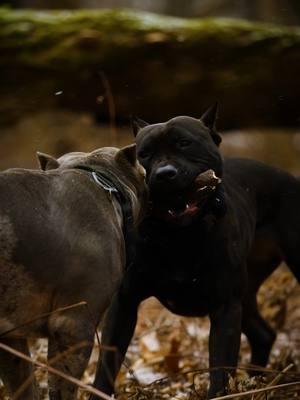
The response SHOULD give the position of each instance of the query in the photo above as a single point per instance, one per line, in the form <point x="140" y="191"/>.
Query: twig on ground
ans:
<point x="275" y="380"/>
<point x="41" y="316"/>
<point x="54" y="371"/>
<point x="28" y="381"/>
<point x="254" y="391"/>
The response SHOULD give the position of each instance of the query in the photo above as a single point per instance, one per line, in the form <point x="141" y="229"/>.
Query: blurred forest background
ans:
<point x="72" y="72"/>
<point x="70" y="79"/>
<point x="275" y="11"/>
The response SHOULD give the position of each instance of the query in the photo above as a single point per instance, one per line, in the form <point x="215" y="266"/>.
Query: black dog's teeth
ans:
<point x="178" y="209"/>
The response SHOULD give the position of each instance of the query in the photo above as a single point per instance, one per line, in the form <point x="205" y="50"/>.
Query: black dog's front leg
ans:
<point x="118" y="330"/>
<point x="224" y="344"/>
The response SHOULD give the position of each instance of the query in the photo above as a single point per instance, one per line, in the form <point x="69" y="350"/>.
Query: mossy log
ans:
<point x="115" y="63"/>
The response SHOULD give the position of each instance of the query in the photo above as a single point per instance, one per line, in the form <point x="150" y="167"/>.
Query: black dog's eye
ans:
<point x="143" y="154"/>
<point x="183" y="143"/>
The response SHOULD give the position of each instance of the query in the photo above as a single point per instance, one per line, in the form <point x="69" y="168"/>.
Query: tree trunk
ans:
<point x="115" y="63"/>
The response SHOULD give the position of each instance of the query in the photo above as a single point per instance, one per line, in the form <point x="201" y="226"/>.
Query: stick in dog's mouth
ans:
<point x="207" y="180"/>
<point x="205" y="183"/>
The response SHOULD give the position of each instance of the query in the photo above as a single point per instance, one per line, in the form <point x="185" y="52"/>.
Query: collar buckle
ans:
<point x="105" y="184"/>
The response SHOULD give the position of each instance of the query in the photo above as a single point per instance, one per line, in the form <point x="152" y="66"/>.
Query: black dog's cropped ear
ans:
<point x="209" y="119"/>
<point x="129" y="153"/>
<point x="46" y="161"/>
<point x="137" y="124"/>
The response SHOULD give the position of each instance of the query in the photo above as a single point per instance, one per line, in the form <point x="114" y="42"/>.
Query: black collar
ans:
<point x="107" y="181"/>
<point x="217" y="203"/>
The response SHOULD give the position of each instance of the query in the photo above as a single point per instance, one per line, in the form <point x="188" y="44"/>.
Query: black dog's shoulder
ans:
<point x="257" y="175"/>
<point x="246" y="166"/>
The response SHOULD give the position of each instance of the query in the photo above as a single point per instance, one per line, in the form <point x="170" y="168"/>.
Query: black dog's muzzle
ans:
<point x="165" y="173"/>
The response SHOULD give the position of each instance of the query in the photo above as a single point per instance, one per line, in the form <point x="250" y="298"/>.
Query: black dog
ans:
<point x="207" y="256"/>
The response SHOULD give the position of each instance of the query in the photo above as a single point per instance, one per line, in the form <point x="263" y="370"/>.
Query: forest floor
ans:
<point x="168" y="357"/>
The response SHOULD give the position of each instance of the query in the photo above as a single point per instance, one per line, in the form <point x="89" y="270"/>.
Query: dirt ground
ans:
<point x="168" y="356"/>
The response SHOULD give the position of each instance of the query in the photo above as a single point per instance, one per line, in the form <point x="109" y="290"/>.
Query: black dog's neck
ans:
<point x="216" y="205"/>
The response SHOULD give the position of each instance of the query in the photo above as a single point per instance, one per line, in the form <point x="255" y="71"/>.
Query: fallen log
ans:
<point x="115" y="63"/>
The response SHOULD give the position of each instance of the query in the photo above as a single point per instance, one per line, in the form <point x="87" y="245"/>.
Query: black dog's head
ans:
<point x="173" y="154"/>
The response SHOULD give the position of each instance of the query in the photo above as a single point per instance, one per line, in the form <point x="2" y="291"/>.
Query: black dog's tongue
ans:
<point x="174" y="209"/>
<point x="191" y="208"/>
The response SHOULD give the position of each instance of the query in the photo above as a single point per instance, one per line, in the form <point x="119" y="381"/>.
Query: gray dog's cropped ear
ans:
<point x="129" y="153"/>
<point x="209" y="119"/>
<point x="137" y="124"/>
<point x="46" y="161"/>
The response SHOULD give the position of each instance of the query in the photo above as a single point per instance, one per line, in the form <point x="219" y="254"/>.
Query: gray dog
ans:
<point x="65" y="232"/>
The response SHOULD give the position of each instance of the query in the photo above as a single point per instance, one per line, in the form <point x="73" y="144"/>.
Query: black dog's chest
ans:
<point x="182" y="273"/>
<point x="189" y="298"/>
<point x="189" y="289"/>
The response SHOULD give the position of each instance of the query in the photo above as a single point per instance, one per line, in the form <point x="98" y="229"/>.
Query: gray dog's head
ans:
<point x="121" y="163"/>
<point x="174" y="153"/>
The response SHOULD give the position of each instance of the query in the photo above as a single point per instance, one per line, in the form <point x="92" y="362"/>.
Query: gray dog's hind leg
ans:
<point x="69" y="349"/>
<point x="259" y="334"/>
<point x="14" y="371"/>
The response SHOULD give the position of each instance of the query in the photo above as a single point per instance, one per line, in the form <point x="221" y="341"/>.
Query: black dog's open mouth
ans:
<point x="190" y="208"/>
<point x="193" y="202"/>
